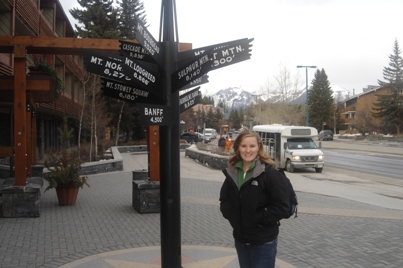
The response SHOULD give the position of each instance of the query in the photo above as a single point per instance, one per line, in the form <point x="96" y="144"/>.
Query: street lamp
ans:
<point x="306" y="92"/>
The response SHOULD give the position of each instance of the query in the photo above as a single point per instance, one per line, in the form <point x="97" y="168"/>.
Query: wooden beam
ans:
<point x="20" y="101"/>
<point x="153" y="141"/>
<point x="42" y="83"/>
<point x="64" y="45"/>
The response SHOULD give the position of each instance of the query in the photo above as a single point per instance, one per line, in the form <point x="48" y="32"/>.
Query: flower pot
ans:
<point x="67" y="196"/>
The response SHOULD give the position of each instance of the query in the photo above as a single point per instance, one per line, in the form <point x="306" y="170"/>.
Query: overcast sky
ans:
<point x="350" y="39"/>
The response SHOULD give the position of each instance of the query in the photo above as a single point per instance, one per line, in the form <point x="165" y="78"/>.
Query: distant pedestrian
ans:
<point x="228" y="144"/>
<point x="221" y="142"/>
<point x="254" y="212"/>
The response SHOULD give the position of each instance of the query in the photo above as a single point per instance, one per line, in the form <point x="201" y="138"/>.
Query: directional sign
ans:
<point x="196" y="82"/>
<point x="105" y="65"/>
<point x="223" y="54"/>
<point x="189" y="99"/>
<point x="189" y="54"/>
<point x="219" y="55"/>
<point x="134" y="51"/>
<point x="144" y="75"/>
<point x="228" y="55"/>
<point x="148" y="42"/>
<point x="191" y="71"/>
<point x="154" y="114"/>
<point x="128" y="93"/>
<point x="125" y="70"/>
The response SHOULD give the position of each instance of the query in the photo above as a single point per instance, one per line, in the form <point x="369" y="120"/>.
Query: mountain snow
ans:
<point x="236" y="98"/>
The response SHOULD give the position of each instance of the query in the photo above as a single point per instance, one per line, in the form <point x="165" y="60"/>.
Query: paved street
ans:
<point x="338" y="225"/>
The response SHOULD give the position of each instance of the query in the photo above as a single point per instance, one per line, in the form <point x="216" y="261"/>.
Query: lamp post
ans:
<point x="306" y="92"/>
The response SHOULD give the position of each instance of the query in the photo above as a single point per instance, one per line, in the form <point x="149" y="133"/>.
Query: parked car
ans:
<point x="325" y="135"/>
<point x="203" y="138"/>
<point x="190" y="137"/>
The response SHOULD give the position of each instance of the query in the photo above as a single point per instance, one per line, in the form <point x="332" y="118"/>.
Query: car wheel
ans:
<point x="289" y="167"/>
<point x="318" y="170"/>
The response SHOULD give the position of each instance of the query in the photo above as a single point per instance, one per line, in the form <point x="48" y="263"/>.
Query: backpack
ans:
<point x="293" y="201"/>
<point x="293" y="196"/>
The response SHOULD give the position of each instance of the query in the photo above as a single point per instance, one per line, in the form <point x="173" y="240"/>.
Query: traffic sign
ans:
<point x="134" y="51"/>
<point x="189" y="99"/>
<point x="154" y="114"/>
<point x="148" y="42"/>
<point x="128" y="93"/>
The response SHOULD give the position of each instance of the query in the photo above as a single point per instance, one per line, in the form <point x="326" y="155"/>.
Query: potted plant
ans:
<point x="64" y="175"/>
<point x="64" y="169"/>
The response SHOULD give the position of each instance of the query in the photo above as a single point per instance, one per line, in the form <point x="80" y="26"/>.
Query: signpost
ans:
<point x="132" y="77"/>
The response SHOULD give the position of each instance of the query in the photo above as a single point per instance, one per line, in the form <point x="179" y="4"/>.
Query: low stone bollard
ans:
<point x="140" y="174"/>
<point x="146" y="196"/>
<point x="21" y="201"/>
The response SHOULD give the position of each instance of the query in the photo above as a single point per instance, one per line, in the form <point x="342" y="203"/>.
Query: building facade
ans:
<point x="40" y="18"/>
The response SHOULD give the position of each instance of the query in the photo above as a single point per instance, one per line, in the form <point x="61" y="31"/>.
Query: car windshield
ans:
<point x="301" y="143"/>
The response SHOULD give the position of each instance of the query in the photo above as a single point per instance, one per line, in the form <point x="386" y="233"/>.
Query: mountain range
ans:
<point x="236" y="98"/>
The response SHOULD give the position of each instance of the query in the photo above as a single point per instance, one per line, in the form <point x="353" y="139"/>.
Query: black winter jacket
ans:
<point x="256" y="208"/>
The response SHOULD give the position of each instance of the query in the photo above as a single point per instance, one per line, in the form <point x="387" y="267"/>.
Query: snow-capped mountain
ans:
<point x="236" y="98"/>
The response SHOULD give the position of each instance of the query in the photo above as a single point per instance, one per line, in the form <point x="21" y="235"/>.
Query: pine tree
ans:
<point x="389" y="107"/>
<point x="129" y="11"/>
<point x="98" y="19"/>
<point x="320" y="100"/>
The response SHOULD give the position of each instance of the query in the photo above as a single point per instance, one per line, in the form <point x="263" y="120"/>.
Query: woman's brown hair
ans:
<point x="235" y="157"/>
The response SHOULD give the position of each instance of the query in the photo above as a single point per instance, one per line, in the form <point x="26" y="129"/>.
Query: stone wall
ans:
<point x="207" y="158"/>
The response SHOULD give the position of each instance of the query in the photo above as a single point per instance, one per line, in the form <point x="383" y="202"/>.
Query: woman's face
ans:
<point x="248" y="149"/>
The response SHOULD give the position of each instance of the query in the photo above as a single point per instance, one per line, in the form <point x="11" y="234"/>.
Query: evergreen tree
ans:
<point x="129" y="11"/>
<point x="98" y="19"/>
<point x="389" y="107"/>
<point x="320" y="101"/>
<point x="209" y="118"/>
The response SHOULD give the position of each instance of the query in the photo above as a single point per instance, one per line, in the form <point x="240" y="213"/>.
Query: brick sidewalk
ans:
<point x="329" y="232"/>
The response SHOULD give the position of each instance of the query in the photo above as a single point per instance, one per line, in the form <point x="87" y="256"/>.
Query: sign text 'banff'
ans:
<point x="154" y="114"/>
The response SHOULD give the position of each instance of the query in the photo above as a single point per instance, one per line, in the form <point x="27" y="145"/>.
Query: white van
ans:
<point x="210" y="132"/>
<point x="291" y="147"/>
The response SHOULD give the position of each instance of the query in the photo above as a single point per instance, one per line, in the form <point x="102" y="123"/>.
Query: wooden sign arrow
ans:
<point x="219" y="55"/>
<point x="105" y="65"/>
<point x="189" y="99"/>
<point x="196" y="82"/>
<point x="128" y="93"/>
<point x="124" y="70"/>
<point x="191" y="71"/>
<point x="231" y="54"/>
<point x="134" y="51"/>
<point x="148" y="42"/>
<point x="185" y="56"/>
<point x="154" y="114"/>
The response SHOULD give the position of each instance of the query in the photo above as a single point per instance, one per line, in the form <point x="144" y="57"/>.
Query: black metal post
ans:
<point x="169" y="151"/>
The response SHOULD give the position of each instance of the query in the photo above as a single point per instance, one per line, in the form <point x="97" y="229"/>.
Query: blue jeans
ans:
<point x="256" y="256"/>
